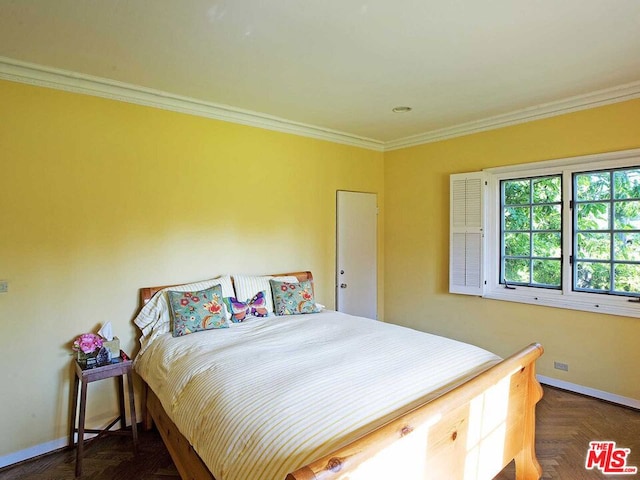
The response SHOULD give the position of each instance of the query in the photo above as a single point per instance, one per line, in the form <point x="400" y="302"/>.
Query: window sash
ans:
<point x="531" y="259"/>
<point x="610" y="232"/>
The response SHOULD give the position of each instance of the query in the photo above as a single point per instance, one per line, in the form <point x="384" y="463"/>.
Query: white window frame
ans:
<point x="564" y="297"/>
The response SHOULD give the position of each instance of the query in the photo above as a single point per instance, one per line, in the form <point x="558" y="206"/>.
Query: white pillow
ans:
<point x="247" y="286"/>
<point x="224" y="281"/>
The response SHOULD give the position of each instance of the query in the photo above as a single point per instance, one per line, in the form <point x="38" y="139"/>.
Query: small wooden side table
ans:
<point x="118" y="368"/>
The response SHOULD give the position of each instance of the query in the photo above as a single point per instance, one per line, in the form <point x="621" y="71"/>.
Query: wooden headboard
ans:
<point x="148" y="292"/>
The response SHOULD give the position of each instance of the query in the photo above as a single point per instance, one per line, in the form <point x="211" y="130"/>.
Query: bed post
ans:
<point x="147" y="420"/>
<point x="527" y="466"/>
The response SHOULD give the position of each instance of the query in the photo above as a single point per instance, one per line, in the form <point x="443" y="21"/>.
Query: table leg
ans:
<point x="74" y="410"/>
<point x="83" y="411"/>
<point x="132" y="410"/>
<point x="123" y="416"/>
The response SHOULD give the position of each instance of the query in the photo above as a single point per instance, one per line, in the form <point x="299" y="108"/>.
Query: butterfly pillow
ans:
<point x="240" y="311"/>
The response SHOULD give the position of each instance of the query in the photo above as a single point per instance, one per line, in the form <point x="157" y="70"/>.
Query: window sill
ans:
<point x="594" y="303"/>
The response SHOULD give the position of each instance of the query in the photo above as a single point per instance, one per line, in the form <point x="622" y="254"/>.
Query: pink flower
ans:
<point x="87" y="342"/>
<point x="184" y="302"/>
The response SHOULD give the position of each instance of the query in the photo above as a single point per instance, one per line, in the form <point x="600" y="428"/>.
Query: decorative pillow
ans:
<point x="154" y="318"/>
<point x="256" y="307"/>
<point x="195" y="311"/>
<point x="293" y="298"/>
<point x="248" y="286"/>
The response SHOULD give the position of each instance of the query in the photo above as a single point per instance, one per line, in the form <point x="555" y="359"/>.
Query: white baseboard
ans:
<point x="592" y="392"/>
<point x="37" y="450"/>
<point x="34" y="451"/>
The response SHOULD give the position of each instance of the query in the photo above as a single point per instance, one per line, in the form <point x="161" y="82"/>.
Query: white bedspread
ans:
<point x="270" y="395"/>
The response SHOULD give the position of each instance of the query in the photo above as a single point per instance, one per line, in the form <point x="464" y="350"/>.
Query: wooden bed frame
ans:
<point x="471" y="431"/>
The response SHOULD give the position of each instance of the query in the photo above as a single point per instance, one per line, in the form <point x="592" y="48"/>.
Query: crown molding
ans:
<point x="39" y="75"/>
<point x="598" y="98"/>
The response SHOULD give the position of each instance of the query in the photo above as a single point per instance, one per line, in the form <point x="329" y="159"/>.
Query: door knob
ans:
<point x="343" y="285"/>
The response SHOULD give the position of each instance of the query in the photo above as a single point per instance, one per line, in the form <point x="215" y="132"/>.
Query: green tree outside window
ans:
<point x="606" y="249"/>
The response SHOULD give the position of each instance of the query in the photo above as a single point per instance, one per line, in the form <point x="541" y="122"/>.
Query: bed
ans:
<point x="357" y="399"/>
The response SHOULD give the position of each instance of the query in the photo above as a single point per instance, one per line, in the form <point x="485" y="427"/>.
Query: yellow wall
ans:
<point x="601" y="350"/>
<point x="99" y="198"/>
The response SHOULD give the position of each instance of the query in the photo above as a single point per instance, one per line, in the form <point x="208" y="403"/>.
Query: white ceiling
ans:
<point x="341" y="64"/>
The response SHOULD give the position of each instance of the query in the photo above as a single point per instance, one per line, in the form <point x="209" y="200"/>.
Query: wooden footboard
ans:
<point x="470" y="432"/>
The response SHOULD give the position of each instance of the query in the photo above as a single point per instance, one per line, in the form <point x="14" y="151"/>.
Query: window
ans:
<point x="562" y="233"/>
<point x="606" y="219"/>
<point x="531" y="231"/>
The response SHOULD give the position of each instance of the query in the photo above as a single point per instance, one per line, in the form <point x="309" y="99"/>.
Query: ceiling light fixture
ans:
<point x="401" y="109"/>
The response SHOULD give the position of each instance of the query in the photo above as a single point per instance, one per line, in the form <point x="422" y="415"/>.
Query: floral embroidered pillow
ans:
<point x="240" y="311"/>
<point x="196" y="311"/>
<point x="293" y="298"/>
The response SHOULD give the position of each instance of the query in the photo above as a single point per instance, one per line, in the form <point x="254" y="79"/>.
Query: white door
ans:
<point x="356" y="253"/>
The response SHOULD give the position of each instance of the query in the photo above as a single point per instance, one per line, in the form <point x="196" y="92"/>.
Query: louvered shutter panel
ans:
<point x="466" y="235"/>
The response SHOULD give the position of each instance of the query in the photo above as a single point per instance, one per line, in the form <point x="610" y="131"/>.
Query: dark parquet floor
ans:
<point x="566" y="423"/>
<point x="108" y="458"/>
